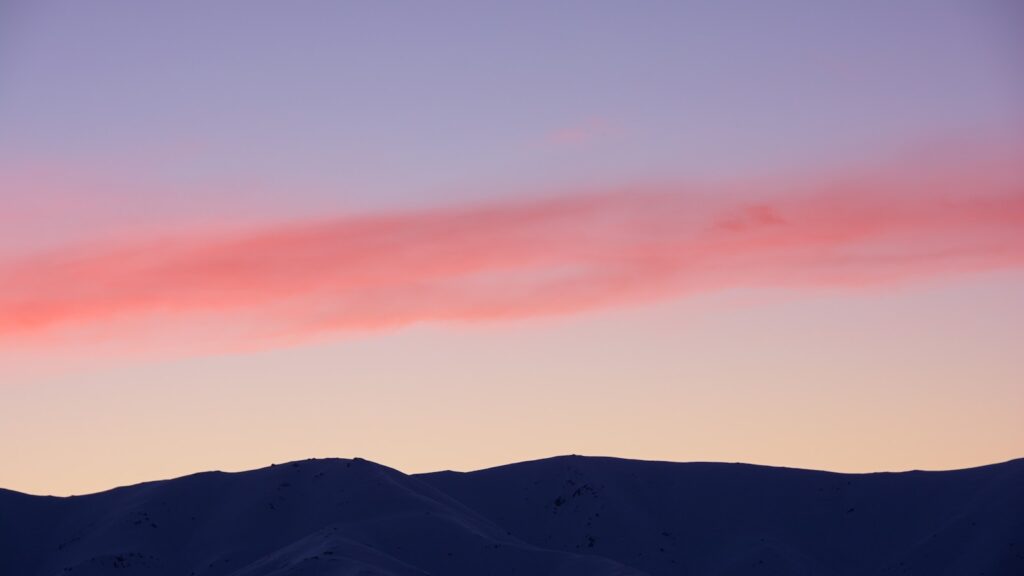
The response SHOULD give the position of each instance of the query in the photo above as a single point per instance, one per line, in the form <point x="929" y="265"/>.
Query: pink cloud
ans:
<point x="534" y="258"/>
<point x="579" y="133"/>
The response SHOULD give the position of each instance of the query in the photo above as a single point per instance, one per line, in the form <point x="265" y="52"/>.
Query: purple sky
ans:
<point x="230" y="125"/>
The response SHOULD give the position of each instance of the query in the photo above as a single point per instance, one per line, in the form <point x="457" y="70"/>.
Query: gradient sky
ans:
<point x="460" y="234"/>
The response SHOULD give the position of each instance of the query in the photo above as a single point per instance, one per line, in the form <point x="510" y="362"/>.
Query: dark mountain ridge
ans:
<point x="567" y="515"/>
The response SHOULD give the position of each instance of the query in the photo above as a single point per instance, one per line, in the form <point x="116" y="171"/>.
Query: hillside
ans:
<point x="561" y="516"/>
<point x="736" y="519"/>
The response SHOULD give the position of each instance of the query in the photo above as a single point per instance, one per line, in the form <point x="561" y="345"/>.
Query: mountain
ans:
<point x="570" y="516"/>
<point x="737" y="519"/>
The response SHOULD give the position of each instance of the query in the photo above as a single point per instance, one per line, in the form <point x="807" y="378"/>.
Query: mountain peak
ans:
<point x="567" y="515"/>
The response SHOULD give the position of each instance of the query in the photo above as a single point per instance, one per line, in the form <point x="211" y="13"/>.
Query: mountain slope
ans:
<point x="704" y="518"/>
<point x="313" y="517"/>
<point x="569" y="516"/>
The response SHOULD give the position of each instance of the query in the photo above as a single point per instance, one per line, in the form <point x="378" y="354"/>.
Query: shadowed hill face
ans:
<point x="313" y="517"/>
<point x="566" y="516"/>
<point x="703" y="518"/>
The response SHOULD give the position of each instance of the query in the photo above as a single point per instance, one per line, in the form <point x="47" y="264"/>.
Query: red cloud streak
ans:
<point x="533" y="258"/>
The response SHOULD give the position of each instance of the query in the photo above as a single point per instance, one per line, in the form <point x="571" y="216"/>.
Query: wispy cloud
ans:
<point x="534" y="258"/>
<point x="580" y="133"/>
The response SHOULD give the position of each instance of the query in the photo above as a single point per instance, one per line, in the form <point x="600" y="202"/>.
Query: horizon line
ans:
<point x="510" y="464"/>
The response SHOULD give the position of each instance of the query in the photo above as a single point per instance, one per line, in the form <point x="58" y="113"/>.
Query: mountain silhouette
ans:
<point x="569" y="515"/>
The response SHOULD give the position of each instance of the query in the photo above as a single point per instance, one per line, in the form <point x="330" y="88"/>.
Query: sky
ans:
<point x="453" y="235"/>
